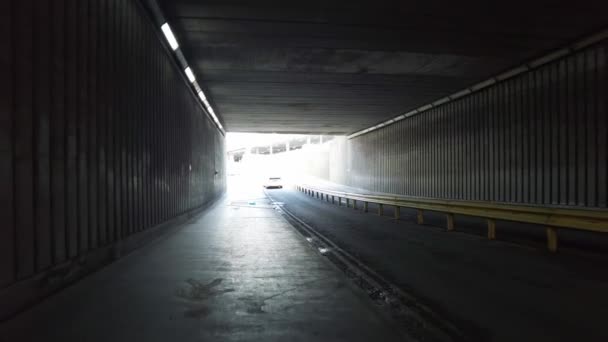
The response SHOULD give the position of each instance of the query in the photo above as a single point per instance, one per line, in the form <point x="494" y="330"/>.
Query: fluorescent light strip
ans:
<point x="169" y="35"/>
<point x="493" y="80"/>
<point x="173" y="43"/>
<point x="203" y="98"/>
<point x="190" y="75"/>
<point x="201" y="95"/>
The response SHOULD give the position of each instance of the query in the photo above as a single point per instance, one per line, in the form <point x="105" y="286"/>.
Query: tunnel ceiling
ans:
<point x="341" y="66"/>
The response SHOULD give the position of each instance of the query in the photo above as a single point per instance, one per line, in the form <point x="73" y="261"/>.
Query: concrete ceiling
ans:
<point x="336" y="67"/>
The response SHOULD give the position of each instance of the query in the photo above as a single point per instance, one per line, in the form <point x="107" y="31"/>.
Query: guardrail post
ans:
<point x="491" y="229"/>
<point x="347" y="202"/>
<point x="419" y="216"/>
<point x="450" y="221"/>
<point x="339" y="201"/>
<point x="355" y="204"/>
<point x="364" y="207"/>
<point x="332" y="199"/>
<point x="552" y="239"/>
<point x="397" y="212"/>
<point x="380" y="209"/>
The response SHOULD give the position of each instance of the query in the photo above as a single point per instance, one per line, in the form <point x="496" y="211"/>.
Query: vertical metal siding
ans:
<point x="100" y="136"/>
<point x="538" y="138"/>
<point x="7" y="68"/>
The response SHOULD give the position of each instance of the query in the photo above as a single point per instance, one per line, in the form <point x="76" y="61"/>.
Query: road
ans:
<point x="235" y="272"/>
<point x="494" y="290"/>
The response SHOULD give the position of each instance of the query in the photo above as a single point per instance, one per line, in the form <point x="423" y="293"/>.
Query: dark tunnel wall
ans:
<point x="538" y="138"/>
<point x="100" y="136"/>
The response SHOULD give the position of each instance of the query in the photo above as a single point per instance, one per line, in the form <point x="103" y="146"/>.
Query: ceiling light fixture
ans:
<point x="169" y="35"/>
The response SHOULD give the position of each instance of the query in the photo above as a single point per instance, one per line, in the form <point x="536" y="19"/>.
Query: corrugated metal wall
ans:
<point x="100" y="137"/>
<point x="538" y="138"/>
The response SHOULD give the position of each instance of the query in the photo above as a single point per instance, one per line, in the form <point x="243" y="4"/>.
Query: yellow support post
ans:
<point x="552" y="239"/>
<point x="397" y="212"/>
<point x="419" y="216"/>
<point x="380" y="209"/>
<point x="491" y="229"/>
<point x="450" y="221"/>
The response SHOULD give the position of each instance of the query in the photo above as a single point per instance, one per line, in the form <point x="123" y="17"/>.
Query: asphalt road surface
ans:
<point x="495" y="290"/>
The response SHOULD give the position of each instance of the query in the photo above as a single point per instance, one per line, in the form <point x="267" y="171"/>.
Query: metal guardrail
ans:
<point x="549" y="217"/>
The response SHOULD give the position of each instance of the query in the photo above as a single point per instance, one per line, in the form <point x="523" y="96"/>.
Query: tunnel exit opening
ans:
<point x="275" y="161"/>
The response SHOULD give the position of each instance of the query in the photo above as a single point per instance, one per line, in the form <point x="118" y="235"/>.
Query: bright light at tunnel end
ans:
<point x="169" y="35"/>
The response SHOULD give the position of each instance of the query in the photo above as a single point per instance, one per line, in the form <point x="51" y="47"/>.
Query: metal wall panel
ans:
<point x="538" y="138"/>
<point x="7" y="228"/>
<point x="100" y="135"/>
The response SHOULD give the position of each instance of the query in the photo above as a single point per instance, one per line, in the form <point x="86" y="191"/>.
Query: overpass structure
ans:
<point x="113" y="116"/>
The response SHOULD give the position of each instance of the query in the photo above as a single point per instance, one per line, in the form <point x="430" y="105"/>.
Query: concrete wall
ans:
<point x="538" y="138"/>
<point x="100" y="136"/>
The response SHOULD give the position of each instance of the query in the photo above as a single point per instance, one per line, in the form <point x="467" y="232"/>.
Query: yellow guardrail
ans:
<point x="594" y="220"/>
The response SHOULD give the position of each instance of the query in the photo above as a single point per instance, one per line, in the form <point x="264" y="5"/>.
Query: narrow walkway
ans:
<point x="238" y="272"/>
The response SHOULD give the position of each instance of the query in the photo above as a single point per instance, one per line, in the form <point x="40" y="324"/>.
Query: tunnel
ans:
<point x="426" y="170"/>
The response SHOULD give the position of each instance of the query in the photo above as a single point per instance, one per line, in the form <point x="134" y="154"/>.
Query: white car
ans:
<point x="273" y="182"/>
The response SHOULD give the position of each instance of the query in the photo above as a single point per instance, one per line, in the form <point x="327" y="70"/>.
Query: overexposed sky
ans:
<point x="236" y="140"/>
